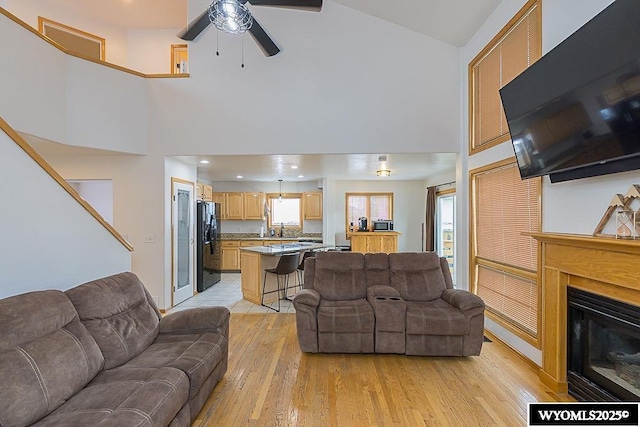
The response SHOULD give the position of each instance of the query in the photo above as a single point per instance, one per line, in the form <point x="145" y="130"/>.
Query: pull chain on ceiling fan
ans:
<point x="233" y="16"/>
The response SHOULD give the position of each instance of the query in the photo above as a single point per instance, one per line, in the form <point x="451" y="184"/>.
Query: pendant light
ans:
<point x="280" y="196"/>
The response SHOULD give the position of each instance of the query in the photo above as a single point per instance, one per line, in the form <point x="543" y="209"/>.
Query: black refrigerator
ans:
<point x="208" y="259"/>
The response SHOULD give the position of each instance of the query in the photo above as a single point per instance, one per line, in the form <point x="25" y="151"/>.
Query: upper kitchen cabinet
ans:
<point x="204" y="192"/>
<point x="234" y="205"/>
<point x="219" y="198"/>
<point x="312" y="205"/>
<point x="208" y="193"/>
<point x="254" y="205"/>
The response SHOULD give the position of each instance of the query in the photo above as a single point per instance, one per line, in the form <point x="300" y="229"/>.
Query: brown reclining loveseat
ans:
<point x="379" y="303"/>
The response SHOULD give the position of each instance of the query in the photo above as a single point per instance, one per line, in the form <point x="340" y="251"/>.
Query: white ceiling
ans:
<point x="317" y="166"/>
<point x="451" y="21"/>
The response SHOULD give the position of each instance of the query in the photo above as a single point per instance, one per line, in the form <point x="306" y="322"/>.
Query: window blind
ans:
<point x="514" y="49"/>
<point x="506" y="211"/>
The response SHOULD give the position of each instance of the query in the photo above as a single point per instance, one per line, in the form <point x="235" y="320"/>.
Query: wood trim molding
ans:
<point x="104" y="63"/>
<point x="604" y="266"/>
<point x="42" y="21"/>
<point x="64" y="184"/>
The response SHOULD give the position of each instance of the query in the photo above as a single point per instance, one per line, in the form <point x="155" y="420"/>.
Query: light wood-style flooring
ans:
<point x="270" y="382"/>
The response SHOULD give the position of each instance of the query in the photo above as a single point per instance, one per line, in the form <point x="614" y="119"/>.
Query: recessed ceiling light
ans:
<point x="204" y="162"/>
<point x="239" y="176"/>
<point x="294" y="167"/>
<point x="300" y="176"/>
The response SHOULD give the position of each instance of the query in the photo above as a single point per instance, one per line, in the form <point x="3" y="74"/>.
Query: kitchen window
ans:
<point x="373" y="206"/>
<point x="284" y="210"/>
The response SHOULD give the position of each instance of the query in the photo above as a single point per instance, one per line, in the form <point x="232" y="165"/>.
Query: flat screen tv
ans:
<point x="575" y="113"/>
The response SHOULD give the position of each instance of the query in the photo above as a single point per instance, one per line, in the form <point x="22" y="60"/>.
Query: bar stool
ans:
<point x="287" y="265"/>
<point x="308" y="254"/>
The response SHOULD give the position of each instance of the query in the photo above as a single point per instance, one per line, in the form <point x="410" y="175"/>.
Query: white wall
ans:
<point x="149" y="51"/>
<point x="49" y="241"/>
<point x="116" y="38"/>
<point x="65" y="99"/>
<point x="138" y="206"/>
<point x="571" y="207"/>
<point x="409" y="198"/>
<point x="99" y="194"/>
<point x="345" y="82"/>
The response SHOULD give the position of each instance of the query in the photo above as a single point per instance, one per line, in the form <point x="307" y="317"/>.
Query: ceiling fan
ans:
<point x="232" y="16"/>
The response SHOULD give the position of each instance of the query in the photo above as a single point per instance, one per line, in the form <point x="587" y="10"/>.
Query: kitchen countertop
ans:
<point x="300" y="239"/>
<point x="286" y="248"/>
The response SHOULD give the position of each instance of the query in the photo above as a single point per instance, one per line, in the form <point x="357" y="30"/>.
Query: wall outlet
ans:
<point x="150" y="238"/>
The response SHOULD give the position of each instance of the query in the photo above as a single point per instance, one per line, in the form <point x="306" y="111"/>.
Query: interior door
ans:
<point x="182" y="221"/>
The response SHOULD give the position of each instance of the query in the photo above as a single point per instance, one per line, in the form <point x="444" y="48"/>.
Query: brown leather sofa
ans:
<point x="101" y="354"/>
<point x="377" y="303"/>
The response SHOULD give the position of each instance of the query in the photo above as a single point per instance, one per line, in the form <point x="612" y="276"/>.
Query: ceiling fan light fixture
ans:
<point x="230" y="16"/>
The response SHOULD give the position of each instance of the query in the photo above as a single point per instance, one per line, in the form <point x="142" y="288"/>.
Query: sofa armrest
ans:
<point x="197" y="320"/>
<point x="308" y="297"/>
<point x="464" y="301"/>
<point x="381" y="291"/>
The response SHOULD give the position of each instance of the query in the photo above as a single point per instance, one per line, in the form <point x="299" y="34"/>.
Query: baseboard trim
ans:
<point x="495" y="338"/>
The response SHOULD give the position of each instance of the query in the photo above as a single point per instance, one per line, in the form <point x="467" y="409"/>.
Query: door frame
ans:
<point x="176" y="183"/>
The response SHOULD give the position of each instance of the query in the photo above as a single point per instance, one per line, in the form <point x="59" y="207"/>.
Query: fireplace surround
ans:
<point x="601" y="266"/>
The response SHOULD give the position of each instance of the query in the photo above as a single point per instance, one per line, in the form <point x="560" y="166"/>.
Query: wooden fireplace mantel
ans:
<point x="604" y="266"/>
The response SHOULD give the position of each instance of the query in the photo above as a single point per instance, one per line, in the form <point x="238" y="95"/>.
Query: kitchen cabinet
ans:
<point x="207" y="193"/>
<point x="312" y="205"/>
<point x="240" y="205"/>
<point x="234" y="205"/>
<point x="373" y="242"/>
<point x="203" y="192"/>
<point x="230" y="255"/>
<point x="254" y="206"/>
<point x="219" y="198"/>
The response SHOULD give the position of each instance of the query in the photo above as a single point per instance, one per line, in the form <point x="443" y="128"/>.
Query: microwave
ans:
<point x="382" y="225"/>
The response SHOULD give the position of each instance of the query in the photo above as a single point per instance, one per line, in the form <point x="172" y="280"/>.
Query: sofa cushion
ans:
<point x="142" y="397"/>
<point x="120" y="315"/>
<point x="435" y="317"/>
<point x="47" y="355"/>
<point x="196" y="355"/>
<point x="417" y="276"/>
<point x="340" y="276"/>
<point x="376" y="269"/>
<point x="345" y="316"/>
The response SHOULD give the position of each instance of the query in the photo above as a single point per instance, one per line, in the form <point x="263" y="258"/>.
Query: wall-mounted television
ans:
<point x="575" y="113"/>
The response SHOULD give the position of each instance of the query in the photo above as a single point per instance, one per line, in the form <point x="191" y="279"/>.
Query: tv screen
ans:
<point x="576" y="112"/>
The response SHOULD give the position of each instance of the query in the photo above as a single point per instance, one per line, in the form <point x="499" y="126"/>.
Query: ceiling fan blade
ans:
<point x="267" y="45"/>
<point x="195" y="27"/>
<point x="314" y="5"/>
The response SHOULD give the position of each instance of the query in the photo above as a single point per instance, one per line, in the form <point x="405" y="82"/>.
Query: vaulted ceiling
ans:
<point x="451" y="21"/>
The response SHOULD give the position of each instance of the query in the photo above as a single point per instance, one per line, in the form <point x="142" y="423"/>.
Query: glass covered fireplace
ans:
<point x="603" y="348"/>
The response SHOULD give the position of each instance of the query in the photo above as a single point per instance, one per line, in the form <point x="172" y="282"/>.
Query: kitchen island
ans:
<point x="374" y="241"/>
<point x="255" y="259"/>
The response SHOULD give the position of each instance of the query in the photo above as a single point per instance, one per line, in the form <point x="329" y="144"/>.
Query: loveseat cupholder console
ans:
<point x="390" y="313"/>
